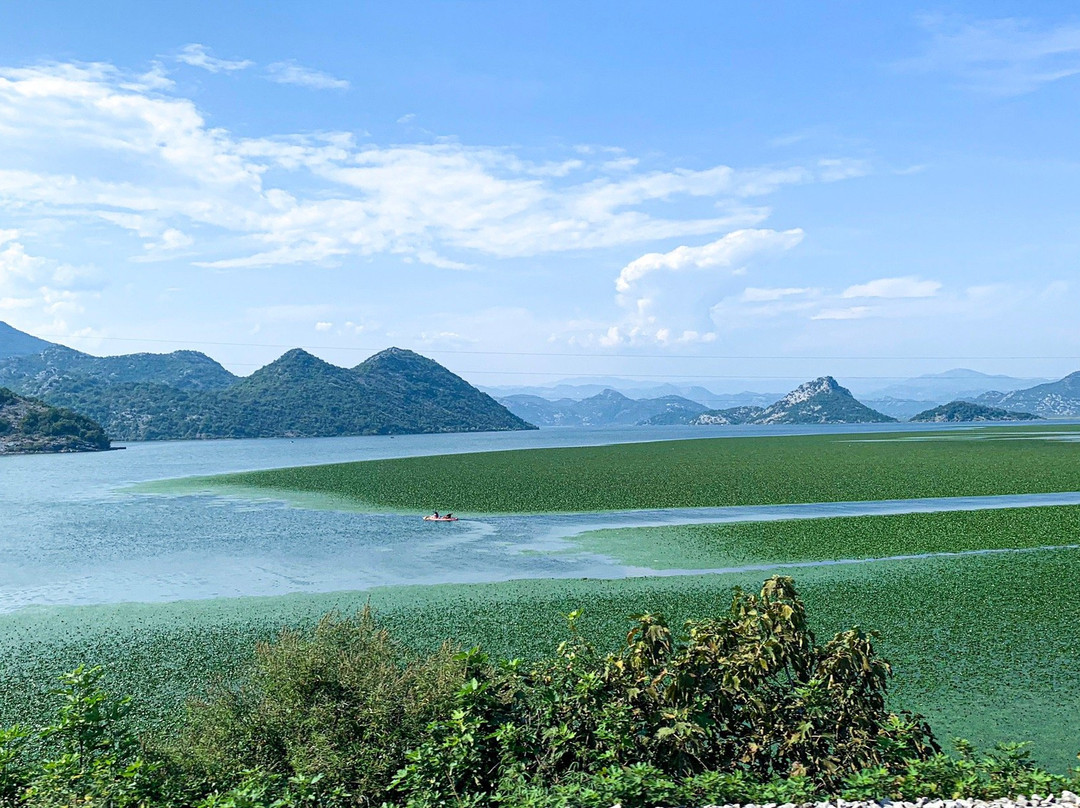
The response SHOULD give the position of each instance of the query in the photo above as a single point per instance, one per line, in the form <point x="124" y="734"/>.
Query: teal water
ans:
<point x="75" y="532"/>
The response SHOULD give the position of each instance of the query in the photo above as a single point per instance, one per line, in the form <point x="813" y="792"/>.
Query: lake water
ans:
<point x="74" y="533"/>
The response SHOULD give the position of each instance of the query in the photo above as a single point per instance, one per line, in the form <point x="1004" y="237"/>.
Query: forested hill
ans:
<point x="186" y="394"/>
<point x="964" y="411"/>
<point x="28" y="425"/>
<point x="62" y="368"/>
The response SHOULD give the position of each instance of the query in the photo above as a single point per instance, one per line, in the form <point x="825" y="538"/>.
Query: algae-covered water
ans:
<point x="83" y="529"/>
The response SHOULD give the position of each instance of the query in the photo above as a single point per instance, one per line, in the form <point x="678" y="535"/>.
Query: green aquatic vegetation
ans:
<point x="722" y="546"/>
<point x="984" y="646"/>
<point x="712" y="472"/>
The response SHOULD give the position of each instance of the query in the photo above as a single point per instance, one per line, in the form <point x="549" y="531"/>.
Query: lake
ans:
<point x="74" y="531"/>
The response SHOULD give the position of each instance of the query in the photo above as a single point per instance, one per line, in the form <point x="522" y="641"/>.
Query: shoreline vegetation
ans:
<point x="972" y="673"/>
<point x="759" y="470"/>
<point x="737" y="702"/>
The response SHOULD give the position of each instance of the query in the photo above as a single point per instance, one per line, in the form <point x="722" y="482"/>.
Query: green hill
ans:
<point x="60" y="368"/>
<point x="962" y="411"/>
<point x="28" y="425"/>
<point x="186" y="394"/>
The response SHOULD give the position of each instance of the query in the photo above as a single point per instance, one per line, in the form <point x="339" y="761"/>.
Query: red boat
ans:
<point x="440" y="518"/>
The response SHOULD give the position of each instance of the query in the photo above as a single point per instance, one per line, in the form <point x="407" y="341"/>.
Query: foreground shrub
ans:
<point x="749" y="691"/>
<point x="90" y="756"/>
<point x="1004" y="771"/>
<point x="343" y="703"/>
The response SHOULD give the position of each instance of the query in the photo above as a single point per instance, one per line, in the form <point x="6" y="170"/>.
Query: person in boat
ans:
<point x="437" y="515"/>
<point x="449" y="516"/>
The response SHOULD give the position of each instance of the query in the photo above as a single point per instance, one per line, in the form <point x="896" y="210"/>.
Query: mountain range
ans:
<point x="186" y="394"/>
<point x="30" y="426"/>
<point x="821" y="401"/>
<point x="578" y="390"/>
<point x="606" y="408"/>
<point x="950" y="385"/>
<point x="1060" y="399"/>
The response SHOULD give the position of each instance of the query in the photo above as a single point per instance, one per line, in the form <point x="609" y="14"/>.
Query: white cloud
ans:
<point x="1002" y="56"/>
<point x="665" y="297"/>
<point x="836" y="169"/>
<point x="292" y="73"/>
<point x="32" y="283"/>
<point x="323" y="326"/>
<point x="727" y="251"/>
<point x="757" y="295"/>
<point x="848" y="313"/>
<point x="909" y="286"/>
<point x="141" y="163"/>
<point x="198" y="55"/>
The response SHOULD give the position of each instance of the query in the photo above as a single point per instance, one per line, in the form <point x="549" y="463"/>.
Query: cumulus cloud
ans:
<point x="665" y="297"/>
<point x="198" y="55"/>
<point x="292" y="73"/>
<point x="40" y="286"/>
<point x="728" y="251"/>
<point x="1006" y="56"/>
<point x="909" y="286"/>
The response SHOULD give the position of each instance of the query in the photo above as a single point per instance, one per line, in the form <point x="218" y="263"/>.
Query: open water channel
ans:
<point x="73" y="530"/>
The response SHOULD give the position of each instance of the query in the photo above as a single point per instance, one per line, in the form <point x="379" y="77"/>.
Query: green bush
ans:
<point x="343" y="704"/>
<point x="91" y="758"/>
<point x="747" y="691"/>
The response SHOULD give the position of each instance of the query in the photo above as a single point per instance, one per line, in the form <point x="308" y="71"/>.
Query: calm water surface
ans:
<point x="70" y="532"/>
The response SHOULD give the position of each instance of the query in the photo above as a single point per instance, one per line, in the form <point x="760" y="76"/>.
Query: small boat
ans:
<point x="440" y="518"/>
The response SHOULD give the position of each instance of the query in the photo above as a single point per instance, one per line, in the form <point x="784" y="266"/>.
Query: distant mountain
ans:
<point x="951" y="385"/>
<point x="1054" y="399"/>
<point x="635" y="390"/>
<point x="902" y="408"/>
<point x="31" y="426"/>
<point x="964" y="411"/>
<point x="730" y="415"/>
<point x="821" y="401"/>
<point x="18" y="343"/>
<point x="607" y="408"/>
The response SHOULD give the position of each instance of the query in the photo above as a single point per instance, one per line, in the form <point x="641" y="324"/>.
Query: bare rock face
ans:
<point x="820" y="401"/>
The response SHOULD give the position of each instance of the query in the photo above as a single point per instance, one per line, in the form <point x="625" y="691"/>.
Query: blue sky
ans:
<point x="529" y="191"/>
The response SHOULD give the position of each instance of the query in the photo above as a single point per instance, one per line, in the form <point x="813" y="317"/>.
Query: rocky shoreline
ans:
<point x="29" y="426"/>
